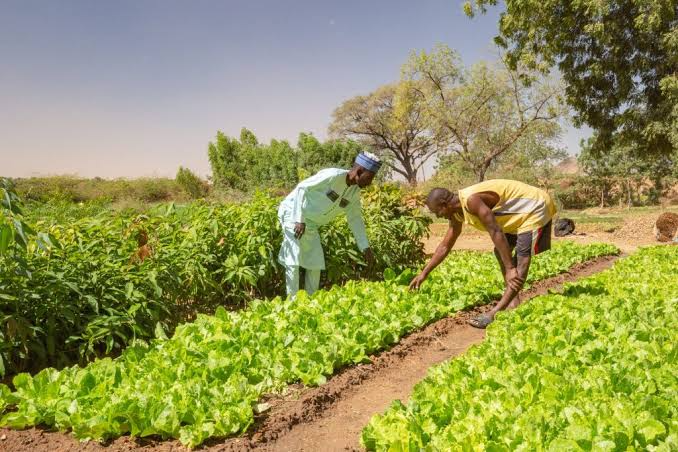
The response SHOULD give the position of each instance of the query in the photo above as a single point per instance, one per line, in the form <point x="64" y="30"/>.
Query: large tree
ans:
<point x="487" y="112"/>
<point x="617" y="57"/>
<point x="391" y="121"/>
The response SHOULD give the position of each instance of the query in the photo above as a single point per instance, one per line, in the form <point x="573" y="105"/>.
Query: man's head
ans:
<point x="364" y="169"/>
<point x="441" y="202"/>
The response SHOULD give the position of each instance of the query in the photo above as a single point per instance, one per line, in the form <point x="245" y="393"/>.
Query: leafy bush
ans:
<point x="395" y="232"/>
<point x="119" y="276"/>
<point x="245" y="164"/>
<point x="314" y="155"/>
<point x="62" y="189"/>
<point x="206" y="380"/>
<point x="591" y="369"/>
<point x="16" y="236"/>
<point x="191" y="183"/>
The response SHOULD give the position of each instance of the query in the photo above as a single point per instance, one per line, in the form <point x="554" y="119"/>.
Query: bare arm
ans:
<point x="441" y="252"/>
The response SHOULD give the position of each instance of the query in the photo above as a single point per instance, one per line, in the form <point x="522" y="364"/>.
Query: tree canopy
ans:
<point x="487" y="112"/>
<point x="617" y="57"/>
<point x="392" y="121"/>
<point x="246" y="164"/>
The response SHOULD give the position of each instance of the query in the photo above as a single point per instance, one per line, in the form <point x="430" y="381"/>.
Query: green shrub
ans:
<point x="61" y="189"/>
<point x="191" y="183"/>
<point x="118" y="275"/>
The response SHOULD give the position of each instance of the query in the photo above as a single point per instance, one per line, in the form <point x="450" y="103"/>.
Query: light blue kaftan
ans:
<point x="316" y="201"/>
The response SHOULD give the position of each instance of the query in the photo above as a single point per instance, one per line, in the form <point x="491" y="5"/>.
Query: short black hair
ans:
<point x="438" y="195"/>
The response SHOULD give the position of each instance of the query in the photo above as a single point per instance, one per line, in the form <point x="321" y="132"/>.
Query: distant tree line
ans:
<point x="616" y="63"/>
<point x="621" y="176"/>
<point x="245" y="164"/>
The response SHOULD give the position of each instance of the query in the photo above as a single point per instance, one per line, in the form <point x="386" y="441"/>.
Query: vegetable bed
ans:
<point x="591" y="369"/>
<point x="207" y="379"/>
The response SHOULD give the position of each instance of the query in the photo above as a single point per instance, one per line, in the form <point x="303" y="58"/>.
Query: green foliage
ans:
<point x="395" y="232"/>
<point x="486" y="114"/>
<point x="207" y="379"/>
<point x="618" y="59"/>
<point x="451" y="174"/>
<point x="592" y="369"/>
<point x="247" y="165"/>
<point x="117" y="275"/>
<point x="62" y="211"/>
<point x="576" y="192"/>
<point x="622" y="174"/>
<point x="17" y="238"/>
<point x="313" y="155"/>
<point x="391" y="121"/>
<point x="224" y="157"/>
<point x="191" y="183"/>
<point x="532" y="164"/>
<point x="73" y="189"/>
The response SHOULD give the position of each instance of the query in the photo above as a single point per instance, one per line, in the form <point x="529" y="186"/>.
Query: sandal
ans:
<point x="480" y="322"/>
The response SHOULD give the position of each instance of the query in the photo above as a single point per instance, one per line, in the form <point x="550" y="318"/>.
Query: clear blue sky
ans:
<point x="133" y="88"/>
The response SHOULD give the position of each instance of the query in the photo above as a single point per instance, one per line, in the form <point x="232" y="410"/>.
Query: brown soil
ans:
<point x="329" y="417"/>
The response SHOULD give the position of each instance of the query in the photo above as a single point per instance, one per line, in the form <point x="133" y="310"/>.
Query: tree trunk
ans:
<point x="481" y="172"/>
<point x="628" y="189"/>
<point x="658" y="188"/>
<point x="410" y="172"/>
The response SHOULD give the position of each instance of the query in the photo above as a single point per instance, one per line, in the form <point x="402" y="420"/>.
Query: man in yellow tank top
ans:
<point x="516" y="215"/>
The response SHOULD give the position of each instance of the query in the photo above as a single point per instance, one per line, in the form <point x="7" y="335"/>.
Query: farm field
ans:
<point x="276" y="374"/>
<point x="167" y="388"/>
<point x="593" y="368"/>
<point x="339" y="226"/>
<point x="115" y="277"/>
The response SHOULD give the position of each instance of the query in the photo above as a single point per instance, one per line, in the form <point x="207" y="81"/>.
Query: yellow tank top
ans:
<point x="521" y="207"/>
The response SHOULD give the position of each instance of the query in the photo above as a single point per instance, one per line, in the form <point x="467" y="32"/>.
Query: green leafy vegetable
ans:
<point x="592" y="369"/>
<point x="91" y="286"/>
<point x="207" y="379"/>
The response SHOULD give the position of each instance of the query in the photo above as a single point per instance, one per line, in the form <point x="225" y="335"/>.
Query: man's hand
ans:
<point x="513" y="279"/>
<point x="299" y="229"/>
<point x="416" y="282"/>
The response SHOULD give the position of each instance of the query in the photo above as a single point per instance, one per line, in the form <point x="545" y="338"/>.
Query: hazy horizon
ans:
<point x="132" y="89"/>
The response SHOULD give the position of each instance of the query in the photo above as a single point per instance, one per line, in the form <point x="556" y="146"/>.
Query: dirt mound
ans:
<point x="666" y="227"/>
<point x="640" y="228"/>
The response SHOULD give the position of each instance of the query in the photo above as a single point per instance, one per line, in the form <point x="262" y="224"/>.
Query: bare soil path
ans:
<point x="330" y="417"/>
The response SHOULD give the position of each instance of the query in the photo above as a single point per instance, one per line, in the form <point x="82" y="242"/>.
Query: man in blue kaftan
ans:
<point x="315" y="202"/>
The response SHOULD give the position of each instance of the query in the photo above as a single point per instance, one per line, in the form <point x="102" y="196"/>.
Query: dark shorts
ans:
<point x="531" y="243"/>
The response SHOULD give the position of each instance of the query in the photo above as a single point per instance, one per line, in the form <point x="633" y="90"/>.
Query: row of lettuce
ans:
<point x="206" y="381"/>
<point x="88" y="287"/>
<point x="594" y="368"/>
